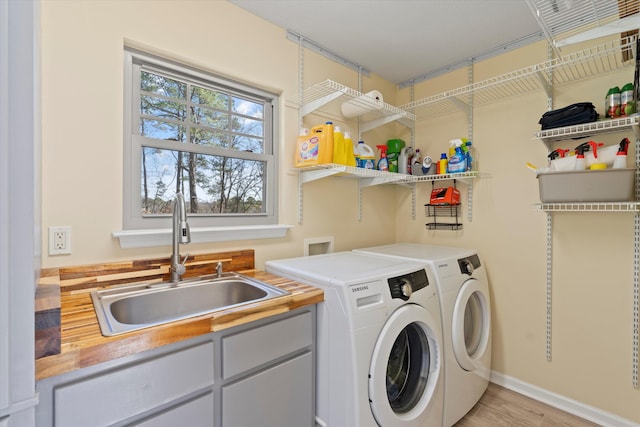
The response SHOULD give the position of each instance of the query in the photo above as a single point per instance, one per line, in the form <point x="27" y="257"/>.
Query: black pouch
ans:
<point x="574" y="114"/>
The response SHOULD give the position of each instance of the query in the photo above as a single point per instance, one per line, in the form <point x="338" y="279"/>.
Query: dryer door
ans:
<point x="471" y="325"/>
<point x="405" y="368"/>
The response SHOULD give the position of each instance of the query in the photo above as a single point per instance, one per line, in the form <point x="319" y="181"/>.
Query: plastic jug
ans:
<point x="404" y="158"/>
<point x="315" y="147"/>
<point x="365" y="156"/>
<point x="339" y="147"/>
<point x="350" y="158"/>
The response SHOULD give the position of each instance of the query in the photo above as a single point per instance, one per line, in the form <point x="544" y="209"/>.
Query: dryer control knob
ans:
<point x="466" y="267"/>
<point x="406" y="288"/>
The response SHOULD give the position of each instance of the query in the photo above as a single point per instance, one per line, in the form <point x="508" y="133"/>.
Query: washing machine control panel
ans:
<point x="468" y="264"/>
<point x="404" y="286"/>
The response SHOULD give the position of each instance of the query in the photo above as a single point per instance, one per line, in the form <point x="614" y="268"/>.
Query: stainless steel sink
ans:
<point x="129" y="308"/>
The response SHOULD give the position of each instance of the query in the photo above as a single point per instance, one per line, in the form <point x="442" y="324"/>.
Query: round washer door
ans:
<point x="471" y="325"/>
<point x="405" y="368"/>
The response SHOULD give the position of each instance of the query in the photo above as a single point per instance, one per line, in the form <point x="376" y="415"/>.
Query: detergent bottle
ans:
<point x="458" y="162"/>
<point x="339" y="149"/>
<point x="365" y="157"/>
<point x="350" y="158"/>
<point x="325" y="151"/>
<point x="315" y="146"/>
<point x="441" y="168"/>
<point x="620" y="161"/>
<point x="404" y="160"/>
<point x="383" y="163"/>
<point x="416" y="163"/>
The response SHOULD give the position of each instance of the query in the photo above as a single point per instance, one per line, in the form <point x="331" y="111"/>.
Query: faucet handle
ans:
<point x="180" y="268"/>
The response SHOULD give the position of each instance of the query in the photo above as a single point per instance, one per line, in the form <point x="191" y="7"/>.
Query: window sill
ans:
<point x="163" y="237"/>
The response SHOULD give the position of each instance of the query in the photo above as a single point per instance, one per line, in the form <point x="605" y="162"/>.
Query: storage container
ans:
<point x="606" y="185"/>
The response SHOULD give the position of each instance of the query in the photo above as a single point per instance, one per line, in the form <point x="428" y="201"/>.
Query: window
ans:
<point x="206" y="136"/>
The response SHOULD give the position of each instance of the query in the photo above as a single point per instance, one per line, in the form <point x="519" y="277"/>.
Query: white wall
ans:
<point x="592" y="252"/>
<point x="82" y="68"/>
<point x="83" y="113"/>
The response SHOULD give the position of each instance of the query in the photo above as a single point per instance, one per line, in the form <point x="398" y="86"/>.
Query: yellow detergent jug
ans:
<point x="316" y="147"/>
<point x="339" y="149"/>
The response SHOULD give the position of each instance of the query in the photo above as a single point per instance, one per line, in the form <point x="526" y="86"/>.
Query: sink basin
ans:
<point x="133" y="307"/>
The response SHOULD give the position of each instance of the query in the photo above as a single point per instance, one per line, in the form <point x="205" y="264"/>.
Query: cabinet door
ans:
<point x="115" y="395"/>
<point x="281" y="396"/>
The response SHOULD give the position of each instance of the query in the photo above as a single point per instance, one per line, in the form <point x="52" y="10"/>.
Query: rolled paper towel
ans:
<point x="366" y="103"/>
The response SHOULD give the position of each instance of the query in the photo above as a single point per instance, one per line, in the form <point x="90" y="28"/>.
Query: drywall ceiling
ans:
<point x="400" y="40"/>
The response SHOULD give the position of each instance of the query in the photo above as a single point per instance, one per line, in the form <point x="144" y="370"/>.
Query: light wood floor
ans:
<point x="502" y="407"/>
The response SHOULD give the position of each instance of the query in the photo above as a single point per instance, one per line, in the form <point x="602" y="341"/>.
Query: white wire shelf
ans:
<point x="374" y="177"/>
<point x="587" y="129"/>
<point x="321" y="94"/>
<point x="590" y="207"/>
<point x="572" y="67"/>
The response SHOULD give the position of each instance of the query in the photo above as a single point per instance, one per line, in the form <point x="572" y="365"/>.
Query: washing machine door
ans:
<point x="405" y="368"/>
<point x="471" y="325"/>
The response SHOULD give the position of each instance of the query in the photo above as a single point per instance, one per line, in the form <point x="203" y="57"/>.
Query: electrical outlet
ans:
<point x="60" y="240"/>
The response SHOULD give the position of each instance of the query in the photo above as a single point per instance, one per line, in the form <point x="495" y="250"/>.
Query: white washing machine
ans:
<point x="466" y="319"/>
<point x="379" y="340"/>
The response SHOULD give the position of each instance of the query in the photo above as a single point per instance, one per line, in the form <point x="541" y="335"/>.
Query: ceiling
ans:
<point x="401" y="40"/>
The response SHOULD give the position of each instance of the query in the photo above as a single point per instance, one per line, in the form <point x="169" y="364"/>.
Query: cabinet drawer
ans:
<point x="116" y="395"/>
<point x="281" y="396"/>
<point x="196" y="412"/>
<point x="252" y="348"/>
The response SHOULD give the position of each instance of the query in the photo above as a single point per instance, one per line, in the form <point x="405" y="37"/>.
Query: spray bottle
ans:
<point x="580" y="162"/>
<point x="620" y="161"/>
<point x="466" y="149"/>
<point x="457" y="162"/>
<point x="383" y="163"/>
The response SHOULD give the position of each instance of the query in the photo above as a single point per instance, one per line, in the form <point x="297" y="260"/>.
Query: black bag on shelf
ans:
<point x="574" y="114"/>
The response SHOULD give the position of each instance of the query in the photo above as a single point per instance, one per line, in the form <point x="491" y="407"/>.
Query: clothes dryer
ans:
<point x="379" y="340"/>
<point x="466" y="319"/>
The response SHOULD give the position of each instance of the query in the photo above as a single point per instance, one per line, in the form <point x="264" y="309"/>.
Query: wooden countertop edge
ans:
<point x="84" y="351"/>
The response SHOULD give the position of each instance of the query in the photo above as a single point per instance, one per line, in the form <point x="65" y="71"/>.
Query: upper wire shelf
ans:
<point x="323" y="93"/>
<point x="580" y="65"/>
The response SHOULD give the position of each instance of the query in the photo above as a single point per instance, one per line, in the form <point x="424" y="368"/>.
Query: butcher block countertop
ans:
<point x="81" y="343"/>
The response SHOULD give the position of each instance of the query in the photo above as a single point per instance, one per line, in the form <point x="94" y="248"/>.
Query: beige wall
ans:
<point x="82" y="116"/>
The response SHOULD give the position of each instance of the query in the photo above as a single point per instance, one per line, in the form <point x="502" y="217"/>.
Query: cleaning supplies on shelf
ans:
<point x="314" y="147"/>
<point x="403" y="159"/>
<point x="348" y="148"/>
<point x="612" y="103"/>
<point x="383" y="163"/>
<point x="442" y="164"/>
<point x="339" y="149"/>
<point x="428" y="168"/>
<point x="416" y="163"/>
<point x="621" y="157"/>
<point x="365" y="156"/>
<point x="458" y="162"/>
<point x="580" y="162"/>
<point x="627" y="106"/>
<point x="394" y="147"/>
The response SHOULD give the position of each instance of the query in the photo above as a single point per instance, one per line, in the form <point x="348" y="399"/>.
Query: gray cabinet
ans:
<point x="261" y="373"/>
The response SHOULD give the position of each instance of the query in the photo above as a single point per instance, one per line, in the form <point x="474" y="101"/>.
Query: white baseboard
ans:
<point x="566" y="404"/>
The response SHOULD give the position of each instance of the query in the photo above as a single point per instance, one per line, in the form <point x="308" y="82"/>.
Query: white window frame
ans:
<point x="132" y="217"/>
